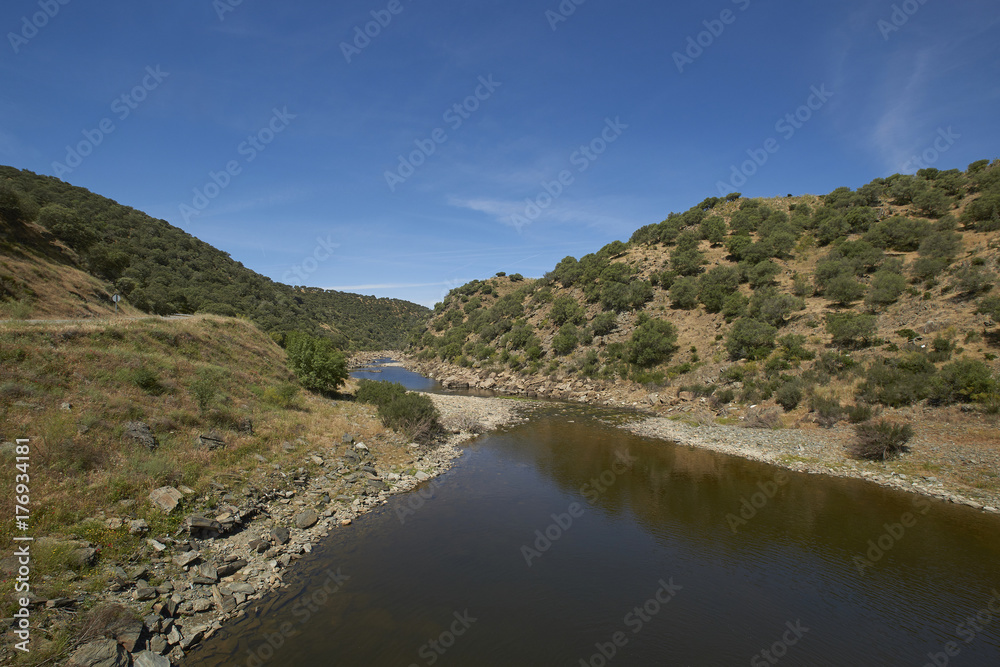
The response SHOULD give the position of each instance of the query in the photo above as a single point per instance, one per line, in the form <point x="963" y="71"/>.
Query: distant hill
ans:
<point x="883" y="295"/>
<point x="55" y="234"/>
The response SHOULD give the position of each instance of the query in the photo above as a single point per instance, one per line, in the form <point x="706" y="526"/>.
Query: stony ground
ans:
<point x="953" y="457"/>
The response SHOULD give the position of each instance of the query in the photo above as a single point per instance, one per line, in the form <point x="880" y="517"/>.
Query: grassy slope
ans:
<point x="111" y="373"/>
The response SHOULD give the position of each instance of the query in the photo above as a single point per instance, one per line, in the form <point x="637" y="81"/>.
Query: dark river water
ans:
<point x="566" y="541"/>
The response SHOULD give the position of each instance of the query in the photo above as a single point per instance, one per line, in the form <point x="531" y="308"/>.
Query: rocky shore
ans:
<point x="234" y="547"/>
<point x="821" y="451"/>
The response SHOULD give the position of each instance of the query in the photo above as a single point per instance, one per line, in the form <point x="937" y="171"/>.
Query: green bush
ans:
<point x="566" y="309"/>
<point x="281" y="396"/>
<point x="898" y="382"/>
<point x="851" y="329"/>
<point x="734" y="306"/>
<point x="886" y="289"/>
<point x="684" y="293"/>
<point x="411" y="413"/>
<point x="146" y="380"/>
<point x="844" y="290"/>
<point x="750" y="339"/>
<point x="860" y="412"/>
<point x="966" y="380"/>
<point x="717" y="284"/>
<point x="789" y="395"/>
<point x="763" y="273"/>
<point x="828" y="410"/>
<point x="653" y="342"/>
<point x="205" y="386"/>
<point x="772" y="306"/>
<point x="317" y="364"/>
<point x="566" y="340"/>
<point x="879" y="441"/>
<point x="793" y="348"/>
<point x="604" y="324"/>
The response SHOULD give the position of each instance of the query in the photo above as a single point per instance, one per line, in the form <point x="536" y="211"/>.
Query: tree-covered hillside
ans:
<point x="882" y="294"/>
<point x="161" y="269"/>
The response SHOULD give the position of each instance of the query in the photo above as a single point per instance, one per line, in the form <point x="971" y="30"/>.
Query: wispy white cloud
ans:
<point x="349" y="288"/>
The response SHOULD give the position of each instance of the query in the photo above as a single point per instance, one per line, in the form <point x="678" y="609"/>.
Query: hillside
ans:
<point x="64" y="251"/>
<point x="829" y="307"/>
<point x="207" y="405"/>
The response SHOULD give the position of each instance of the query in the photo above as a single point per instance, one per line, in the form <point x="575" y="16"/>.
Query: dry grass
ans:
<point x="81" y="465"/>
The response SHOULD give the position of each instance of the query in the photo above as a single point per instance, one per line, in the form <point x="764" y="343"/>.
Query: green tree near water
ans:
<point x="317" y="364"/>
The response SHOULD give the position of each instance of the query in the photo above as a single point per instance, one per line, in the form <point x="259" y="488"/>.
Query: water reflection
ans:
<point x="647" y="513"/>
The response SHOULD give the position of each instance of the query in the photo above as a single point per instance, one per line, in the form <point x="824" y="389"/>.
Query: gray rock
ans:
<point x="137" y="573"/>
<point x="102" y="653"/>
<point x="165" y="498"/>
<point x="207" y="571"/>
<point x="83" y="557"/>
<point x="174" y="636"/>
<point x="211" y="441"/>
<point x="232" y="567"/>
<point x="186" y="558"/>
<point x="140" y="433"/>
<point x="306" y="519"/>
<point x="158" y="645"/>
<point x="422" y="476"/>
<point x="280" y="535"/>
<point x="201" y="605"/>
<point x="138" y="527"/>
<point x="150" y="659"/>
<point x="347" y="439"/>
<point x="197" y="523"/>
<point x="223" y="601"/>
<point x="245" y="426"/>
<point x="241" y="587"/>
<point x="191" y="637"/>
<point x="157" y="546"/>
<point x="144" y="593"/>
<point x="130" y="635"/>
<point x="153" y="623"/>
<point x="260" y="546"/>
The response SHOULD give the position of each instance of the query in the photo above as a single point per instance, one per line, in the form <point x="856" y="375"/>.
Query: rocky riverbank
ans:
<point x="234" y="547"/>
<point x="934" y="466"/>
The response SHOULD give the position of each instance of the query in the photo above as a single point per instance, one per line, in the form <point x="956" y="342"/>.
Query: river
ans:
<point x="567" y="541"/>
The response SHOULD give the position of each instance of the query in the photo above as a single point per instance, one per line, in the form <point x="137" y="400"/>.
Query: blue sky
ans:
<point x="268" y="129"/>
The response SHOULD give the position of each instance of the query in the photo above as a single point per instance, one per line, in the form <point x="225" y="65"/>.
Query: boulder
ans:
<point x="102" y="653"/>
<point x="140" y="433"/>
<point x="165" y="498"/>
<point x="130" y="635"/>
<point x="232" y="567"/>
<point x="83" y="557"/>
<point x="210" y="441"/>
<point x="306" y="519"/>
<point x="186" y="558"/>
<point x="245" y="426"/>
<point x="279" y="535"/>
<point x="150" y="659"/>
<point x="138" y="527"/>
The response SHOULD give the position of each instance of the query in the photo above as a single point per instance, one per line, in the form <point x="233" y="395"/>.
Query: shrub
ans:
<point x="828" y="410"/>
<point x="684" y="293"/>
<point x="851" y="329"/>
<point x="899" y="233"/>
<point x="793" y="348"/>
<point x="898" y="382"/>
<point x="723" y="396"/>
<point x="411" y="413"/>
<point x="717" y="284"/>
<point x="789" y="395"/>
<point x="604" y="324"/>
<point x="566" y="340"/>
<point x="653" y="342"/>
<point x="758" y="418"/>
<point x="713" y="229"/>
<point x="966" y="380"/>
<point x="205" y="387"/>
<point x="772" y="306"/>
<point x="763" y="273"/>
<point x="844" y="290"/>
<point x="881" y="440"/>
<point x="860" y="412"/>
<point x="971" y="280"/>
<point x="886" y="289"/>
<point x="317" y="364"/>
<point x="750" y="339"/>
<point x="281" y="396"/>
<point x="735" y="306"/>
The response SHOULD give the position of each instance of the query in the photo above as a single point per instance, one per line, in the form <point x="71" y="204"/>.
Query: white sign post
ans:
<point x="116" y="298"/>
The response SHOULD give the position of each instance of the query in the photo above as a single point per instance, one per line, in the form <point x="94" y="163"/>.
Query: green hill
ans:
<point x="50" y="231"/>
<point x="883" y="295"/>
